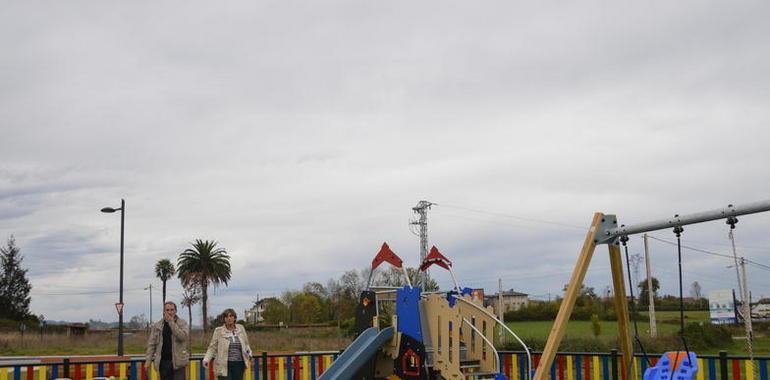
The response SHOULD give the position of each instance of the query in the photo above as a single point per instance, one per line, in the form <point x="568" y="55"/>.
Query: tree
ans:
<point x="696" y="290"/>
<point x="14" y="285"/>
<point x="164" y="270"/>
<point x="138" y="322"/>
<point x="190" y="296"/>
<point x="275" y="311"/>
<point x="644" y="298"/>
<point x="205" y="264"/>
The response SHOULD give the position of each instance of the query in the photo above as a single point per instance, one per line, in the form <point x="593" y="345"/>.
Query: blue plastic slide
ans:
<point x="357" y="354"/>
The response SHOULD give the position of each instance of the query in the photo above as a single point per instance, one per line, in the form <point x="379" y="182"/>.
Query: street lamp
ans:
<point x="119" y="305"/>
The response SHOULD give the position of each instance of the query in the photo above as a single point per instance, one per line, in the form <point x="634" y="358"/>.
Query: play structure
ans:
<point x="449" y="335"/>
<point x="433" y="335"/>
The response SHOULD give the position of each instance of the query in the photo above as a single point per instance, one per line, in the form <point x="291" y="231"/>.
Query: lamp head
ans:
<point x="109" y="210"/>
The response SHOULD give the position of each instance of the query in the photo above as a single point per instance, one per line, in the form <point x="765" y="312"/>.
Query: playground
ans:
<point x="450" y="334"/>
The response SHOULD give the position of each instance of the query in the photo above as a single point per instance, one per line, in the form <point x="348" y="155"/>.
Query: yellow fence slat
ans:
<point x="281" y="369"/>
<point x="570" y="368"/>
<point x="41" y="375"/>
<point x="597" y="368"/>
<point x="89" y="371"/>
<point x="514" y="367"/>
<point x="701" y="375"/>
<point x="636" y="367"/>
<point x="122" y="371"/>
<point x="193" y="370"/>
<point x="153" y="373"/>
<point x="327" y="361"/>
<point x="305" y="368"/>
<point x="247" y="373"/>
<point x="749" y="370"/>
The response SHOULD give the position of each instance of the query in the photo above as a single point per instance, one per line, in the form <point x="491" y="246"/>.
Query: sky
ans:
<point x="300" y="134"/>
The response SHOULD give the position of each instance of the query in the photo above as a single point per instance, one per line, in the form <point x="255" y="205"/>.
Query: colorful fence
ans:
<point x="308" y="366"/>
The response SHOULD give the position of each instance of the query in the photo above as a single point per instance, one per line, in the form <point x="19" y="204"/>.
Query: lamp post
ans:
<point x="119" y="305"/>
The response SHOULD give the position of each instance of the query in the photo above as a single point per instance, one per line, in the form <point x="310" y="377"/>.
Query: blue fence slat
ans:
<point x="100" y="370"/>
<point x="553" y="367"/>
<point x="17" y="373"/>
<point x="133" y="374"/>
<point x="605" y="368"/>
<point x="712" y="364"/>
<point x="522" y="366"/>
<point x="313" y="360"/>
<point x="201" y="371"/>
<point x="289" y="368"/>
<point x="763" y="369"/>
<point x="578" y="367"/>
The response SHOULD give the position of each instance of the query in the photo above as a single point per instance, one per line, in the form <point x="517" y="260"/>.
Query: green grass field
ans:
<point x="667" y="325"/>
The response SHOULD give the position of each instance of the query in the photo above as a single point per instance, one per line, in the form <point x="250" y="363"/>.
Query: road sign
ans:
<point x="119" y="307"/>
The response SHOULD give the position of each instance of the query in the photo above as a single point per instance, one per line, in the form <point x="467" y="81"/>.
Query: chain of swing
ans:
<point x="731" y="221"/>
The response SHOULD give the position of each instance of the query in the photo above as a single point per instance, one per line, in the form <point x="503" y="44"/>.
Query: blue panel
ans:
<point x="553" y="368"/>
<point x="313" y="360"/>
<point x="605" y="368"/>
<point x="712" y="364"/>
<point x="202" y="371"/>
<point x="578" y="368"/>
<point x="55" y="373"/>
<point x="289" y="367"/>
<point x="522" y="365"/>
<point x="133" y="375"/>
<point x="408" y="312"/>
<point x="100" y="369"/>
<point x="685" y="370"/>
<point x="763" y="369"/>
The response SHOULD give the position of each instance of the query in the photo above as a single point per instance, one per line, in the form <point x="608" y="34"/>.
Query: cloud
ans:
<point x="299" y="136"/>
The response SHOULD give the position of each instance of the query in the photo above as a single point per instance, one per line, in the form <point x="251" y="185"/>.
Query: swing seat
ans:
<point x="686" y="367"/>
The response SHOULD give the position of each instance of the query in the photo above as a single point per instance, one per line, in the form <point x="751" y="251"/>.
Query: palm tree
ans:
<point x="205" y="264"/>
<point x="164" y="270"/>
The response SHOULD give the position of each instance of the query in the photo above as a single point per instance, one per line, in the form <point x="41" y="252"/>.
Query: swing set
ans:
<point x="604" y="229"/>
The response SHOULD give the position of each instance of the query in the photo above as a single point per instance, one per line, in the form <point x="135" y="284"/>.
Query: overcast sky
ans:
<point x="299" y="135"/>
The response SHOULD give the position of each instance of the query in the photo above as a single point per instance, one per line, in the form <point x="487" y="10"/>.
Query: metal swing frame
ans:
<point x="604" y="229"/>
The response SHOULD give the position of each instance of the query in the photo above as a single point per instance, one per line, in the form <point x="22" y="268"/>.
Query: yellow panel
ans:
<point x="122" y="371"/>
<point x="3" y="373"/>
<point x="89" y="371"/>
<point x="305" y="368"/>
<point x="514" y="367"/>
<point x="153" y="373"/>
<point x="701" y="370"/>
<point x="247" y="373"/>
<point x="597" y="368"/>
<point x="570" y="368"/>
<point x="636" y="366"/>
<point x="41" y="372"/>
<point x="749" y="370"/>
<point x="327" y="361"/>
<point x="281" y="369"/>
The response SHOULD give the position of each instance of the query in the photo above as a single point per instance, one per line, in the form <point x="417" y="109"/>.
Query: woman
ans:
<point x="230" y="349"/>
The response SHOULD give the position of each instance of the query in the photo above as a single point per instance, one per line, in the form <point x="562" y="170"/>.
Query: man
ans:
<point x="167" y="346"/>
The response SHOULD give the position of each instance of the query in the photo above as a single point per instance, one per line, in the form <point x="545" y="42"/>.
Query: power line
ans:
<point x="710" y="252"/>
<point x="522" y="218"/>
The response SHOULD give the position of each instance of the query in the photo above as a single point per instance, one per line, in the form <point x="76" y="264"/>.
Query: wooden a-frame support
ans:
<point x="570" y="296"/>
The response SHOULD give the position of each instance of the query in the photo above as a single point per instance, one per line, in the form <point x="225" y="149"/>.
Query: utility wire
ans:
<point x="522" y="218"/>
<point x="709" y="252"/>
